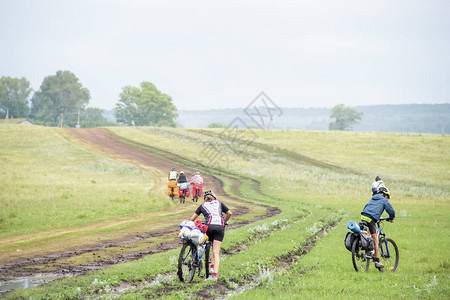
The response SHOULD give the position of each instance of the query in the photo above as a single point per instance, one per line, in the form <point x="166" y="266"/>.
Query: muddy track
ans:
<point x="142" y="155"/>
<point x="222" y="289"/>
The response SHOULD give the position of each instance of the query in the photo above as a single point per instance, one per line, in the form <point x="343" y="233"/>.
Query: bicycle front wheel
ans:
<point x="186" y="262"/>
<point x="389" y="255"/>
<point x="359" y="259"/>
<point x="207" y="258"/>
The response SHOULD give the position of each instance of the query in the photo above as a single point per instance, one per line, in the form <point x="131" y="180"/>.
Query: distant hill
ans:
<point x="417" y="118"/>
<point x="414" y="118"/>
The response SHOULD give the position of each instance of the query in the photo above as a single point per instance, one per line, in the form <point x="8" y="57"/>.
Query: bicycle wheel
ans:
<point x="197" y="195"/>
<point x="359" y="259"/>
<point x="389" y="255"/>
<point x="186" y="262"/>
<point x="207" y="259"/>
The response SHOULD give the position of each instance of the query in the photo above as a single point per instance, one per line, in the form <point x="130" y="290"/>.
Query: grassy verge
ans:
<point x="272" y="258"/>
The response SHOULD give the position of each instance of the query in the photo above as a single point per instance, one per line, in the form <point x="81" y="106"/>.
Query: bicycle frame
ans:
<point x="379" y="235"/>
<point x="195" y="254"/>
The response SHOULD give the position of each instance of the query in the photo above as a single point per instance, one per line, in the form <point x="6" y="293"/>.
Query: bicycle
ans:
<point x="196" y="191"/>
<point x="172" y="189"/>
<point x="183" y="194"/>
<point x="389" y="255"/>
<point x="191" y="258"/>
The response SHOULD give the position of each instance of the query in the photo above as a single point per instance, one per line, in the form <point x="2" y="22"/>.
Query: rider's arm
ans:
<point x="194" y="216"/>
<point x="228" y="216"/>
<point x="389" y="209"/>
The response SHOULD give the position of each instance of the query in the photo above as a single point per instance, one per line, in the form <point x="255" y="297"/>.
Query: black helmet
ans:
<point x="209" y="193"/>
<point x="384" y="191"/>
<point x="377" y="178"/>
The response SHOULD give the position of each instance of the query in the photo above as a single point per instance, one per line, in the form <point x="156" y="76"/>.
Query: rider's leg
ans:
<point x="376" y="260"/>
<point x="377" y="250"/>
<point x="215" y="260"/>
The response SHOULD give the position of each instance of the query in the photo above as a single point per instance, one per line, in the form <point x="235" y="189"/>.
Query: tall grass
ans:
<point x="50" y="182"/>
<point x="415" y="168"/>
<point x="315" y="178"/>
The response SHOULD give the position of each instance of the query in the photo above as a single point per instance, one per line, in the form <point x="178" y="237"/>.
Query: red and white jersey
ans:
<point x="196" y="179"/>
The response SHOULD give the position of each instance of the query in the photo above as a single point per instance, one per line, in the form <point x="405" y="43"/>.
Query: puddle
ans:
<point x="27" y="282"/>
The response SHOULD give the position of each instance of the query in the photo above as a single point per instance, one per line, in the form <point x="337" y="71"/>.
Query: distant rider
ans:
<point x="373" y="210"/>
<point x="376" y="184"/>
<point x="173" y="175"/>
<point x="197" y="182"/>
<point x="182" y="178"/>
<point x="212" y="209"/>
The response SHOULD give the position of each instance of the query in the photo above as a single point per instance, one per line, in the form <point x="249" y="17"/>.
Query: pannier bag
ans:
<point x="172" y="184"/>
<point x="185" y="187"/>
<point x="349" y="238"/>
<point x="367" y="242"/>
<point x="196" y="232"/>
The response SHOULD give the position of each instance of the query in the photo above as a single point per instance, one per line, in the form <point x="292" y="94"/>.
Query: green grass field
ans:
<point x="319" y="180"/>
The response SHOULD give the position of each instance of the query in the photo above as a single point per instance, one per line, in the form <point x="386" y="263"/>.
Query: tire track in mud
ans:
<point x="221" y="289"/>
<point x="142" y="155"/>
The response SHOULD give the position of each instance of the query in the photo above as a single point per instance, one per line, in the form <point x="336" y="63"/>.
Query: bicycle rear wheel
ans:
<point x="207" y="259"/>
<point x="186" y="262"/>
<point x="389" y="255"/>
<point x="359" y="259"/>
<point x="197" y="194"/>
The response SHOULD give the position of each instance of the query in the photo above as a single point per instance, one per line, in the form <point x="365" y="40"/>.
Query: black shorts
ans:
<point x="372" y="226"/>
<point x="215" y="233"/>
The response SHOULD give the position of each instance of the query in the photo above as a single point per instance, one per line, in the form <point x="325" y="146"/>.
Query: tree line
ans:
<point x="63" y="101"/>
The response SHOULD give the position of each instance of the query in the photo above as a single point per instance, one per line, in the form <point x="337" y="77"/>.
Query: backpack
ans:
<point x="349" y="238"/>
<point x="367" y="242"/>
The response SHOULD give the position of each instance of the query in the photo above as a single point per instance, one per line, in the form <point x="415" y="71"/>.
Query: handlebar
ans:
<point x="386" y="219"/>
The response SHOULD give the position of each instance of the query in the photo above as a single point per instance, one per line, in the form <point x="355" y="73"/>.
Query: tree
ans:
<point x="344" y="117"/>
<point x="216" y="125"/>
<point x="14" y="94"/>
<point x="145" y="106"/>
<point x="93" y="117"/>
<point x="58" y="100"/>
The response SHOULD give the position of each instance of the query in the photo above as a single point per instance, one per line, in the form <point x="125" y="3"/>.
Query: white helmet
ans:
<point x="376" y="185"/>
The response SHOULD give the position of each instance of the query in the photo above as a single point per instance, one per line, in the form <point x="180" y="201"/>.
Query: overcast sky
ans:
<point x="222" y="54"/>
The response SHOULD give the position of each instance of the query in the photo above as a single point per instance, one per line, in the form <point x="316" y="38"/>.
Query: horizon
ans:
<point x="312" y="107"/>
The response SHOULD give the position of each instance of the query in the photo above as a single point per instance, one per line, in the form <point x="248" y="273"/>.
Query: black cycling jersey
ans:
<point x="182" y="178"/>
<point x="212" y="211"/>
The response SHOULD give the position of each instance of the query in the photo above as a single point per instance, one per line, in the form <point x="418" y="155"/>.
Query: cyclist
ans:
<point x="173" y="175"/>
<point x="197" y="183"/>
<point x="212" y="209"/>
<point x="182" y="178"/>
<point x="372" y="212"/>
<point x="376" y="184"/>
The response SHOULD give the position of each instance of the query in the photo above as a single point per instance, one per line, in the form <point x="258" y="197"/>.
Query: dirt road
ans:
<point x="64" y="263"/>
